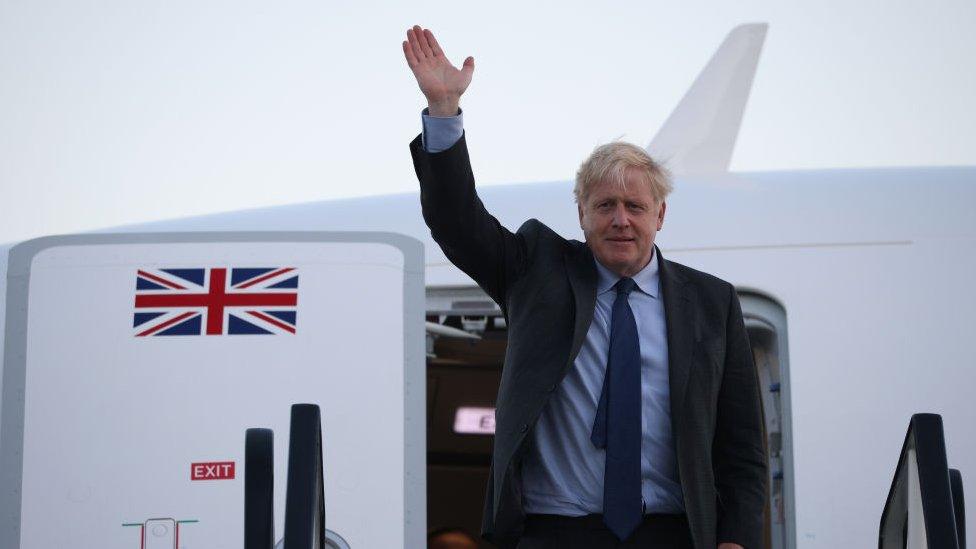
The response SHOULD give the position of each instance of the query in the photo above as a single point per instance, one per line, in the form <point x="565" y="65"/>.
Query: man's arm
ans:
<point x="469" y="236"/>
<point x="738" y="452"/>
<point x="441" y="84"/>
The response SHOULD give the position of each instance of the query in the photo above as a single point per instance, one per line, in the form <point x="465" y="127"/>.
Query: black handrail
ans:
<point x="305" y="501"/>
<point x="925" y="447"/>
<point x="958" y="505"/>
<point x="258" y="489"/>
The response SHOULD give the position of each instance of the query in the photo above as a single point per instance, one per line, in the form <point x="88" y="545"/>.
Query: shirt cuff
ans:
<point x="441" y="133"/>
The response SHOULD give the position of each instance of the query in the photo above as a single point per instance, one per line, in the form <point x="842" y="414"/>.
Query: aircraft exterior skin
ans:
<point x="873" y="268"/>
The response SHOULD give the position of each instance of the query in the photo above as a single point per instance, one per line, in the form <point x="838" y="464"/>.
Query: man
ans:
<point x="628" y="413"/>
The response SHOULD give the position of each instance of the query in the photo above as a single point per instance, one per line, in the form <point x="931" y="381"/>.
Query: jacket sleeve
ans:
<point x="738" y="451"/>
<point x="469" y="236"/>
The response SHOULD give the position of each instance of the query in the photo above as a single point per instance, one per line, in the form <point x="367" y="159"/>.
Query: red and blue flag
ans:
<point x="216" y="301"/>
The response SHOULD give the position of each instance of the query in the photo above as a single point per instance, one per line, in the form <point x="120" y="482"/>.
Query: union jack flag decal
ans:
<point x="209" y="302"/>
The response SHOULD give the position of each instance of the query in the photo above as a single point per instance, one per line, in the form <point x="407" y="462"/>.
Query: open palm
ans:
<point x="440" y="81"/>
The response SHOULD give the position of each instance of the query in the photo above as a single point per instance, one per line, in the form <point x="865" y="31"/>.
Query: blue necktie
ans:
<point x="618" y="420"/>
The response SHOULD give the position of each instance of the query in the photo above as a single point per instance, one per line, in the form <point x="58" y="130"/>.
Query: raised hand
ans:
<point x="440" y="81"/>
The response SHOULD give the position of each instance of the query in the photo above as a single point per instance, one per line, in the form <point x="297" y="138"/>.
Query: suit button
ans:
<point x="524" y="427"/>
<point x="552" y="388"/>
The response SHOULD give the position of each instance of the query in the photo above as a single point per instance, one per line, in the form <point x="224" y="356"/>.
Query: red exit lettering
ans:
<point x="214" y="470"/>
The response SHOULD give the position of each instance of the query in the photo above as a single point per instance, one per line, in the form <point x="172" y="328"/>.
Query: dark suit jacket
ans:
<point x="546" y="288"/>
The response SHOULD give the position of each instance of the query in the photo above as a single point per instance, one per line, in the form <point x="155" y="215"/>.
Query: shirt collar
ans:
<point x="648" y="279"/>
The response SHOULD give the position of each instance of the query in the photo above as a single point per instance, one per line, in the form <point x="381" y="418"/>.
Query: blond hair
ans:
<point x="610" y="163"/>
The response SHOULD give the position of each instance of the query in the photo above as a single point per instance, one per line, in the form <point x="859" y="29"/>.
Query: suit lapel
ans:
<point x="582" y="278"/>
<point x="679" y="314"/>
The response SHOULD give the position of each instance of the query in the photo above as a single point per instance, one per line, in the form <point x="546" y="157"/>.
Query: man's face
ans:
<point x="620" y="223"/>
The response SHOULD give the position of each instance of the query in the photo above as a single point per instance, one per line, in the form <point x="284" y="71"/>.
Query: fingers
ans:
<point x="421" y="35"/>
<point x="422" y="43"/>
<point x="434" y="46"/>
<point x="414" y="43"/>
<point x="408" y="53"/>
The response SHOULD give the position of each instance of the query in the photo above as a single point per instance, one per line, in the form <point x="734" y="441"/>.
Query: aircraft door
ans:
<point x="134" y="363"/>
<point x="766" y="325"/>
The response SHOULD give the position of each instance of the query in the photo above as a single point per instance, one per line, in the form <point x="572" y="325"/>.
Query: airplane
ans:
<point x="854" y="284"/>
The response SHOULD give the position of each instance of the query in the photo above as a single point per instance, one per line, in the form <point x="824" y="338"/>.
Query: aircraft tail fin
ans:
<point x="699" y="135"/>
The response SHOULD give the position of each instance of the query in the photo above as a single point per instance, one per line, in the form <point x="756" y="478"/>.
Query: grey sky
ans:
<point x="124" y="111"/>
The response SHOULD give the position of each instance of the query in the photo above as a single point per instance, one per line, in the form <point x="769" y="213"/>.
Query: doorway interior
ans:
<point x="465" y="353"/>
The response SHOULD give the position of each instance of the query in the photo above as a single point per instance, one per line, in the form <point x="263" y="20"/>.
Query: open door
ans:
<point x="765" y="322"/>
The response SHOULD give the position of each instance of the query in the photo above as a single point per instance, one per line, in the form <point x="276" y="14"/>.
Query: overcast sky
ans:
<point x="118" y="112"/>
